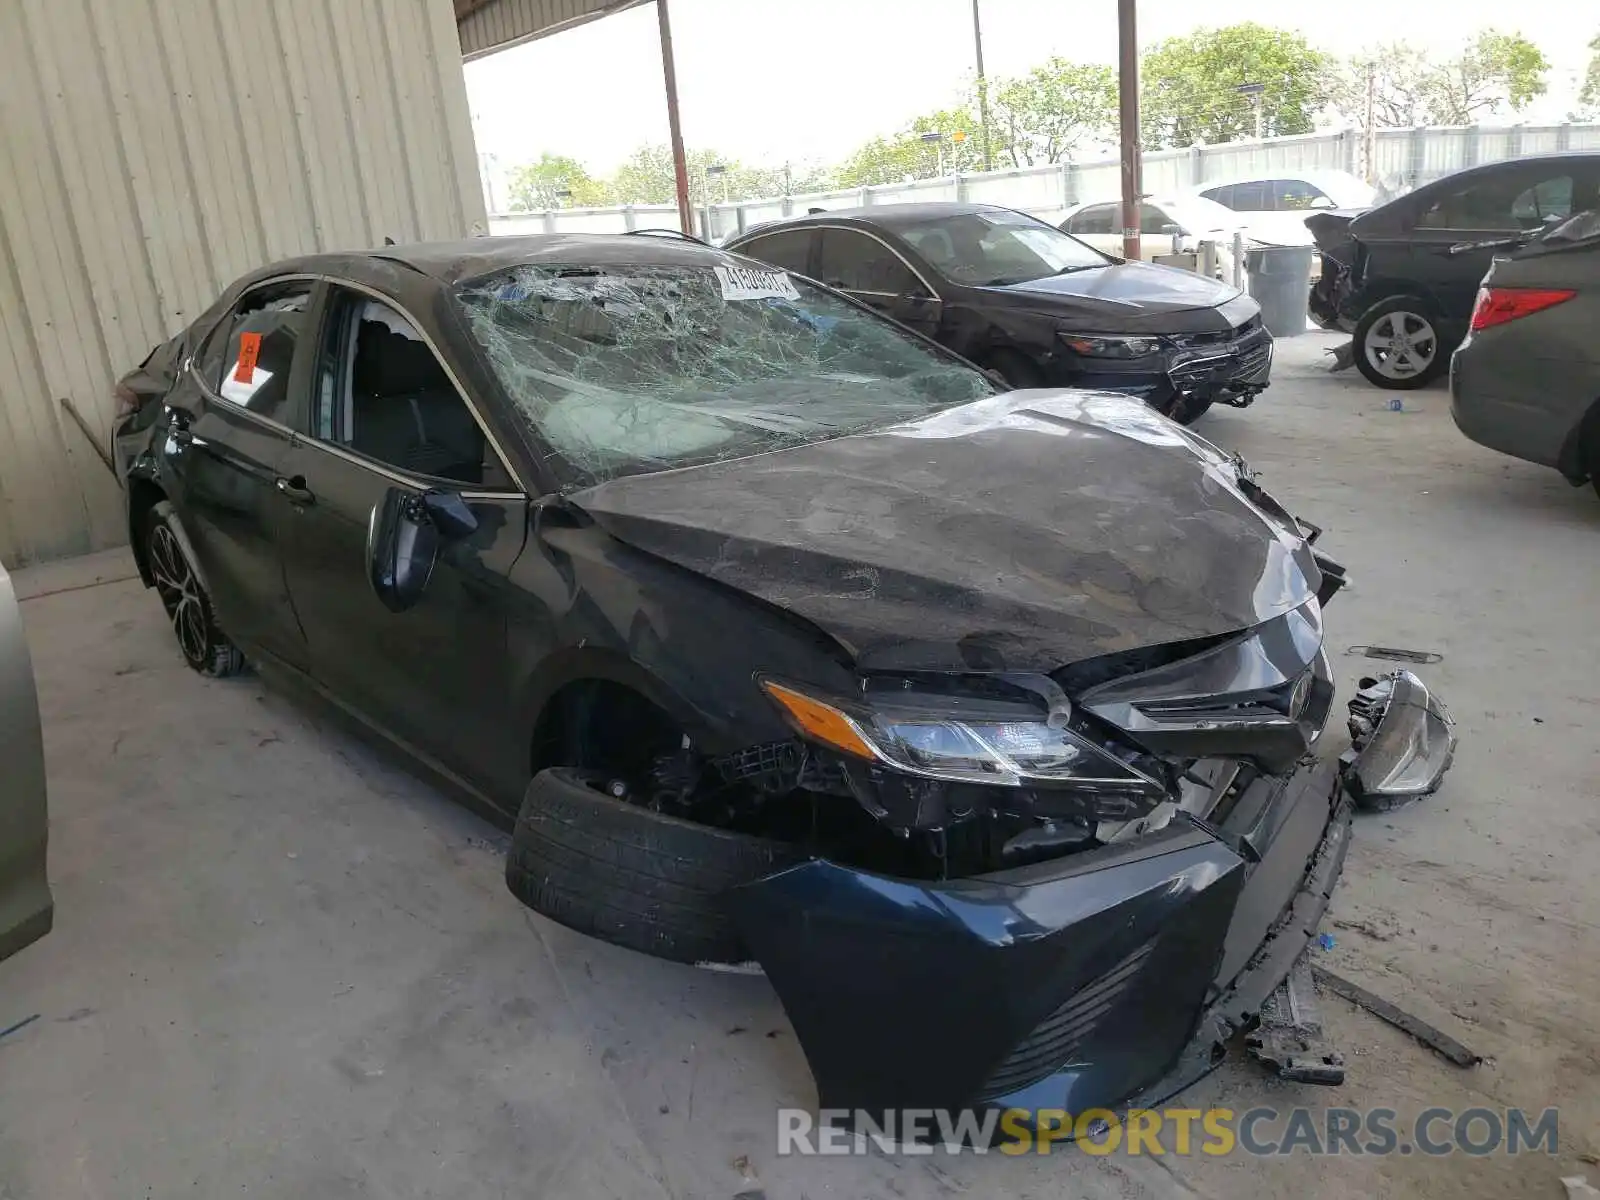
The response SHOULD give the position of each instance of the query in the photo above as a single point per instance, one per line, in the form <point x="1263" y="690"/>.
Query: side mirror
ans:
<point x="404" y="536"/>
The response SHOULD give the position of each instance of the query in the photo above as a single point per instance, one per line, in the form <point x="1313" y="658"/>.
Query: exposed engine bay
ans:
<point x="960" y="775"/>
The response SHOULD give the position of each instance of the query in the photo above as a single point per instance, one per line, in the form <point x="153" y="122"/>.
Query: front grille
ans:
<point x="1055" y="1041"/>
<point x="1219" y="337"/>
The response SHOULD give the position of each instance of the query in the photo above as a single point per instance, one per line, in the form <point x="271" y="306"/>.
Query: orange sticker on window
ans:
<point x="249" y="351"/>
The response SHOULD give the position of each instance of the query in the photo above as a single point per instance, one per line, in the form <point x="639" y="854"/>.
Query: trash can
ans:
<point x="1279" y="277"/>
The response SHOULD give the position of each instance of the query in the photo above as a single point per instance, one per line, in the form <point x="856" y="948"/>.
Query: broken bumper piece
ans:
<point x="1083" y="982"/>
<point x="1403" y="740"/>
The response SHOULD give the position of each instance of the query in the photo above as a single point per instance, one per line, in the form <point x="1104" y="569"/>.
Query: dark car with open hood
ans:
<point x="985" y="722"/>
<point x="1035" y="305"/>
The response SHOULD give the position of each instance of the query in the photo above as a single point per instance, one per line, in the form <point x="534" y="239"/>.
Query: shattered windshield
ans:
<point x="995" y="247"/>
<point x="628" y="369"/>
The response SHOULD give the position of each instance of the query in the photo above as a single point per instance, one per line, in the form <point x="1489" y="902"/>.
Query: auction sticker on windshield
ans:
<point x="748" y="283"/>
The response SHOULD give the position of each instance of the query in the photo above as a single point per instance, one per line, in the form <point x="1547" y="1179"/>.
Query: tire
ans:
<point x="1018" y="370"/>
<point x="632" y="876"/>
<point x="194" y="621"/>
<point x="1184" y="410"/>
<point x="1391" y="322"/>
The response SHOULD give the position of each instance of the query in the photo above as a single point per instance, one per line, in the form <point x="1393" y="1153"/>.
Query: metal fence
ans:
<point x="1402" y="159"/>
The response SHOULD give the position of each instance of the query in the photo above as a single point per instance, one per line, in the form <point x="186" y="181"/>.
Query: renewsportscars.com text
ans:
<point x="1171" y="1131"/>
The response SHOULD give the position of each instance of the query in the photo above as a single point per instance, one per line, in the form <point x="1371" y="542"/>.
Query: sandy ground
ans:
<point x="284" y="967"/>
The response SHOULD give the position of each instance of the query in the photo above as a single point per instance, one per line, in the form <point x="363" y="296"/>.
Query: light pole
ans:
<point x="563" y="195"/>
<point x="936" y="139"/>
<point x="1254" y="92"/>
<point x="717" y="169"/>
<point x="983" y="86"/>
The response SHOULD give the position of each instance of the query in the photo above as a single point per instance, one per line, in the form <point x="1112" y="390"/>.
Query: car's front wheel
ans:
<point x="1397" y="344"/>
<point x="194" y="622"/>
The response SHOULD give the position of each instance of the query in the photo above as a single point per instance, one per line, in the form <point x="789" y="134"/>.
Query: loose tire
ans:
<point x="1017" y="369"/>
<point x="1185" y="410"/>
<point x="194" y="622"/>
<point x="632" y="876"/>
<point x="1397" y="344"/>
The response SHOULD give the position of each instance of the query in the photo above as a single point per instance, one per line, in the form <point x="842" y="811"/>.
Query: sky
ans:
<point x="769" y="81"/>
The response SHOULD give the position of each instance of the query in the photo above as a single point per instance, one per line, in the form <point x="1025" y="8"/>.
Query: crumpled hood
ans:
<point x="1133" y="287"/>
<point x="1021" y="532"/>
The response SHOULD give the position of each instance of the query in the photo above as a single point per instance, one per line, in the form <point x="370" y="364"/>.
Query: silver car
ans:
<point x="1526" y="381"/>
<point x="26" y="909"/>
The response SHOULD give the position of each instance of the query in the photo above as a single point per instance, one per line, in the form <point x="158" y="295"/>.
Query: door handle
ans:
<point x="295" y="489"/>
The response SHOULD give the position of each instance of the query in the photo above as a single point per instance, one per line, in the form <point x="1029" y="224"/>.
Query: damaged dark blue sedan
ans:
<point x="985" y="722"/>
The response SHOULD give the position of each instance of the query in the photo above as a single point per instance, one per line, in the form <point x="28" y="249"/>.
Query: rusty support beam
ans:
<point x="680" y="166"/>
<point x="1128" y="111"/>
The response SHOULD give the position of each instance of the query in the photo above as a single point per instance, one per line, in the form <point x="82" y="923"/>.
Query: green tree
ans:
<point x="1398" y="75"/>
<point x="1189" y="85"/>
<point x="906" y="155"/>
<point x="1498" y="72"/>
<point x="647" y="177"/>
<point x="1495" y="73"/>
<point x="1052" y="112"/>
<point x="534" y="187"/>
<point x="1589" y="97"/>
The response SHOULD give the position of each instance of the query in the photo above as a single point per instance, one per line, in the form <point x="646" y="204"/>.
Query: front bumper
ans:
<point x="1234" y="370"/>
<point x="1083" y="982"/>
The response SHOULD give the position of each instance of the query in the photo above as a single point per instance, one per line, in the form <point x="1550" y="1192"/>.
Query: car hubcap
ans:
<point x="179" y="592"/>
<point x="1401" y="345"/>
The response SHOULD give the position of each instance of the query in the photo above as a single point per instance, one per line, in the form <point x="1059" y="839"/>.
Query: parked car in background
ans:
<point x="1039" y="307"/>
<point x="1526" y="381"/>
<point x="776" y="632"/>
<point x="1403" y="277"/>
<point x="1188" y="219"/>
<point x="1275" y="206"/>
<point x="26" y="909"/>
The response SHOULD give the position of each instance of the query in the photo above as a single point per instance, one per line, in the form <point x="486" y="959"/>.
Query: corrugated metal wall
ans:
<point x="502" y="23"/>
<point x="151" y="151"/>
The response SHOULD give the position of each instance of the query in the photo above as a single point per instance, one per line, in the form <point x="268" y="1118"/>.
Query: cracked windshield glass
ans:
<point x="627" y="369"/>
<point x="998" y="247"/>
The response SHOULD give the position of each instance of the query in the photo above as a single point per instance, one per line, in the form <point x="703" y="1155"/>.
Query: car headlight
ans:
<point x="972" y="742"/>
<point x="1108" y="345"/>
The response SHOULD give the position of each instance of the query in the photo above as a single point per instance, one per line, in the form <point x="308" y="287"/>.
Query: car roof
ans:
<point x="886" y="216"/>
<point x="1330" y="175"/>
<point x="449" y="262"/>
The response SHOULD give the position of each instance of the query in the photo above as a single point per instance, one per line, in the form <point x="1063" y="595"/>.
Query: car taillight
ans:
<point x="1497" y="305"/>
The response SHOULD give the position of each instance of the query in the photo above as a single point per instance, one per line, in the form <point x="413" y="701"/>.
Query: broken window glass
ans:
<point x="627" y="369"/>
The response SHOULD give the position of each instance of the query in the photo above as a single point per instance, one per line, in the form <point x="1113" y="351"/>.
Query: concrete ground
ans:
<point x="284" y="967"/>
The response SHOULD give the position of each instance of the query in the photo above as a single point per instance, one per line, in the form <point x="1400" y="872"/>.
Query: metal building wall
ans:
<point x="151" y="151"/>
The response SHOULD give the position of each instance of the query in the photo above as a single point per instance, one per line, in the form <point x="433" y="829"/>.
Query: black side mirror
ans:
<point x="404" y="535"/>
<point x="449" y="514"/>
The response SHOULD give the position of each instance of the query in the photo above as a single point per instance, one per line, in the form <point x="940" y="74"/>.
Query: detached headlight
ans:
<point x="995" y="747"/>
<point x="1108" y="345"/>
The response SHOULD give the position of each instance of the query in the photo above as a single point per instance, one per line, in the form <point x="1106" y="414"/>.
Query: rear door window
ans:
<point x="258" y="349"/>
<point x="1222" y="195"/>
<point x="1508" y="201"/>
<point x="1093" y="220"/>
<point x="1288" y="195"/>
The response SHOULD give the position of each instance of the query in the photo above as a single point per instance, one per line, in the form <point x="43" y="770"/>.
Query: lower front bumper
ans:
<point x="1077" y="983"/>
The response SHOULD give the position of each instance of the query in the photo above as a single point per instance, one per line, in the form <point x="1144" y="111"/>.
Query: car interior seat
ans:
<point x="405" y="411"/>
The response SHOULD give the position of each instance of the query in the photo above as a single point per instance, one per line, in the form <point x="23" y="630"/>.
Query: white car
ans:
<point x="1274" y="205"/>
<point x="1162" y="219"/>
